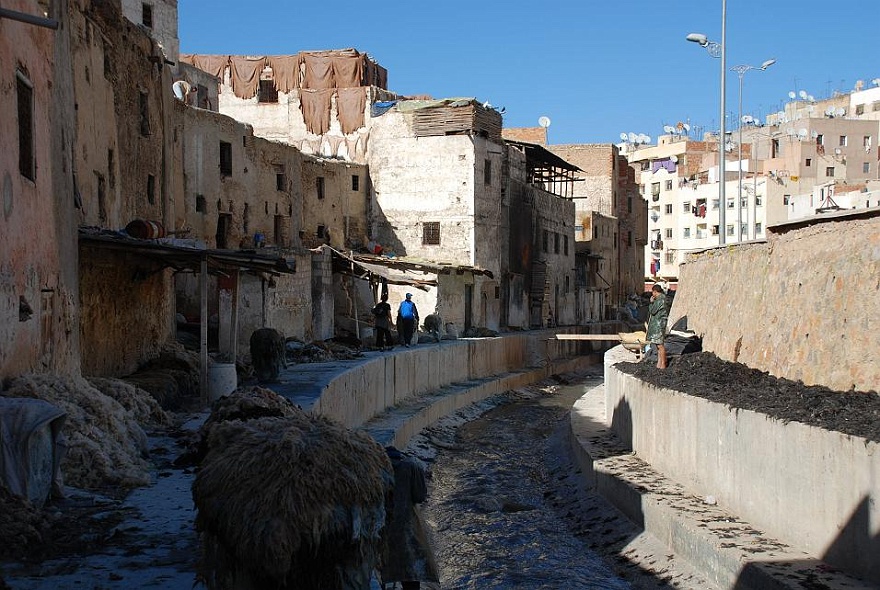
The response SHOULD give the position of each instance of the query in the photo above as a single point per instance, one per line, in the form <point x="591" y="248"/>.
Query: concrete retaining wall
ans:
<point x="369" y="389"/>
<point x="802" y="305"/>
<point x="811" y="488"/>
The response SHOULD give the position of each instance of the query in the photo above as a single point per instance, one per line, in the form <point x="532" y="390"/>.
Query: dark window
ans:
<point x="147" y="15"/>
<point x="201" y="205"/>
<point x="355" y="182"/>
<point x="225" y="158"/>
<point x="246" y="219"/>
<point x="497" y="292"/>
<point x="145" y="113"/>
<point x="809" y="162"/>
<point x="546" y="241"/>
<point x="280" y="182"/>
<point x="555" y="243"/>
<point x="151" y="189"/>
<point x="487" y="172"/>
<point x="319" y="185"/>
<point x="111" y="168"/>
<point x="431" y="233"/>
<point x="268" y="93"/>
<point x="565" y="244"/>
<point x="224" y="222"/>
<point x="629" y="204"/>
<point x="829" y="171"/>
<point x="26" y="148"/>
<point x="321" y="232"/>
<point x="202" y="97"/>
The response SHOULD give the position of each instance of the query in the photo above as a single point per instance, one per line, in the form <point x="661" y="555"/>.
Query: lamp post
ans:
<point x="741" y="72"/>
<point x="719" y="50"/>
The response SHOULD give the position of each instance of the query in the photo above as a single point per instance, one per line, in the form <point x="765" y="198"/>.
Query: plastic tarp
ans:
<point x="31" y="448"/>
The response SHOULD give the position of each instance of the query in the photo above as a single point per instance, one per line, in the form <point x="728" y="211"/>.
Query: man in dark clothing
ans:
<point x="407" y="556"/>
<point x="407" y="319"/>
<point x="382" y="315"/>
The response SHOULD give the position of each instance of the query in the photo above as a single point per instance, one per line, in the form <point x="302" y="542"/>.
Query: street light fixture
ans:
<point x="719" y="50"/>
<point x="741" y="72"/>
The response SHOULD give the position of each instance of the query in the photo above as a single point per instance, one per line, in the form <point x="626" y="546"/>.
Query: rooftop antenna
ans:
<point x="544" y="122"/>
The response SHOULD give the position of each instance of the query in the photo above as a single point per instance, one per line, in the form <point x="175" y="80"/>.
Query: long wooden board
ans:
<point x="595" y="337"/>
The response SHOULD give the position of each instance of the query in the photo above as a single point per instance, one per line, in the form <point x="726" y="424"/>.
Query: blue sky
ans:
<point x="595" y="68"/>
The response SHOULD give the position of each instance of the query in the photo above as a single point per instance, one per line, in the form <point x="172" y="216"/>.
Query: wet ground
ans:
<point x="509" y="509"/>
<point x="705" y="375"/>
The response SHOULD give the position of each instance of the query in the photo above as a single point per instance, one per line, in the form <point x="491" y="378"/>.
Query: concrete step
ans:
<point x="727" y="550"/>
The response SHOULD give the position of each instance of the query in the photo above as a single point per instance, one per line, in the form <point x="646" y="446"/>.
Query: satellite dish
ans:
<point x="790" y="131"/>
<point x="668" y="129"/>
<point x="632" y="137"/>
<point x="811" y="99"/>
<point x="623" y="136"/>
<point x="840" y="112"/>
<point x="876" y="81"/>
<point x="686" y="128"/>
<point x="674" y="159"/>
<point x="791" y="94"/>
<point x="836" y="151"/>
<point x="802" y="133"/>
<point x="748" y="119"/>
<point x="544" y="121"/>
<point x="829" y="111"/>
<point x="814" y="134"/>
<point x="644" y="138"/>
<point x="803" y="94"/>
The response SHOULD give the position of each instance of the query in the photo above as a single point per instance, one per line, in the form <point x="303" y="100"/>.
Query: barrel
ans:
<point x="222" y="380"/>
<point x="145" y="229"/>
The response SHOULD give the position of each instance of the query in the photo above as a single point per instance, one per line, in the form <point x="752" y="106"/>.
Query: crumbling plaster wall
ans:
<point x="249" y="195"/>
<point x="802" y="305"/>
<point x="341" y="211"/>
<point x="37" y="247"/>
<point x="599" y="176"/>
<point x="422" y="179"/>
<point x="555" y="214"/>
<point x="123" y="90"/>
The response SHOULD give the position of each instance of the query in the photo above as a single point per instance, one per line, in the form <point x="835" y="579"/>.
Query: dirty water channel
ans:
<point x="508" y="508"/>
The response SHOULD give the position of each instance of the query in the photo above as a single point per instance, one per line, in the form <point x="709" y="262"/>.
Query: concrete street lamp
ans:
<point x="719" y="50"/>
<point x="741" y="72"/>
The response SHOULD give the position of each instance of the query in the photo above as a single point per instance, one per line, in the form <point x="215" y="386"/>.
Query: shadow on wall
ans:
<point x="621" y="423"/>
<point x="384" y="232"/>
<point x="854" y="552"/>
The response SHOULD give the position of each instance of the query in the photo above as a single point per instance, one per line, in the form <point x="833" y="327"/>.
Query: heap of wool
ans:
<point x="292" y="501"/>
<point x="105" y="444"/>
<point x="171" y="378"/>
<point x="21" y="525"/>
<point x="143" y="407"/>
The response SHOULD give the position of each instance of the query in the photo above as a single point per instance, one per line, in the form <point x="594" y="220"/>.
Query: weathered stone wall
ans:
<point x="802" y="305"/>
<point x="338" y="215"/>
<point x="164" y="26"/>
<point x="37" y="247"/>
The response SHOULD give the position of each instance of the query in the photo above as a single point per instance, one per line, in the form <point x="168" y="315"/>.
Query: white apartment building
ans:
<point x="679" y="179"/>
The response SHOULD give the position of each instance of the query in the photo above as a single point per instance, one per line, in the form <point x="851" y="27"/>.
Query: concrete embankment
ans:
<point x="749" y="501"/>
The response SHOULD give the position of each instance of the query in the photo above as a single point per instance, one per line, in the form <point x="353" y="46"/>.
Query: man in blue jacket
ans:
<point x="407" y="319"/>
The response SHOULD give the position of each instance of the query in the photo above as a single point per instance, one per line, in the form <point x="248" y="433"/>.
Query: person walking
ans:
<point x="657" y="317"/>
<point x="382" y="323"/>
<point x="407" y="556"/>
<point x="407" y="319"/>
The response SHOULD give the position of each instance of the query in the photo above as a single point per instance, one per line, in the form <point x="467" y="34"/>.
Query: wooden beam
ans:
<point x="593" y="337"/>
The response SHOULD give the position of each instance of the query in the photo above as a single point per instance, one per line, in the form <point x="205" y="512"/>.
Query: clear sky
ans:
<point x="596" y="68"/>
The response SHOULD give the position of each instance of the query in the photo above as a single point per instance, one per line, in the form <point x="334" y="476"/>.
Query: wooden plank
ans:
<point x="594" y="337"/>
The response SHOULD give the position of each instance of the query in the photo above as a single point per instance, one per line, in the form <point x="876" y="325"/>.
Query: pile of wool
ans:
<point x="143" y="407"/>
<point x="172" y="378"/>
<point x="105" y="445"/>
<point x="21" y="525"/>
<point x="290" y="501"/>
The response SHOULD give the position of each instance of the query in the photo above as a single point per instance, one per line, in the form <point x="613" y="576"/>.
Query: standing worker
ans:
<point x="407" y="319"/>
<point x="657" y="317"/>
<point x="407" y="557"/>
<point x="382" y="315"/>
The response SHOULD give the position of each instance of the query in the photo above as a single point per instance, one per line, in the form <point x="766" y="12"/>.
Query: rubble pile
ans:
<point x="319" y="351"/>
<point x="106" y="445"/>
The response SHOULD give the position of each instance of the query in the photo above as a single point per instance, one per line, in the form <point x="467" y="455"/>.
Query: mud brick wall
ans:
<point x="805" y="305"/>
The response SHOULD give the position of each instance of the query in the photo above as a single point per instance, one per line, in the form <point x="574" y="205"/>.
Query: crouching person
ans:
<point x="407" y="556"/>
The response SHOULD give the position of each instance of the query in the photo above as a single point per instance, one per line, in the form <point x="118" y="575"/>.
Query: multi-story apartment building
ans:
<point x="813" y="145"/>
<point x="679" y="179"/>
